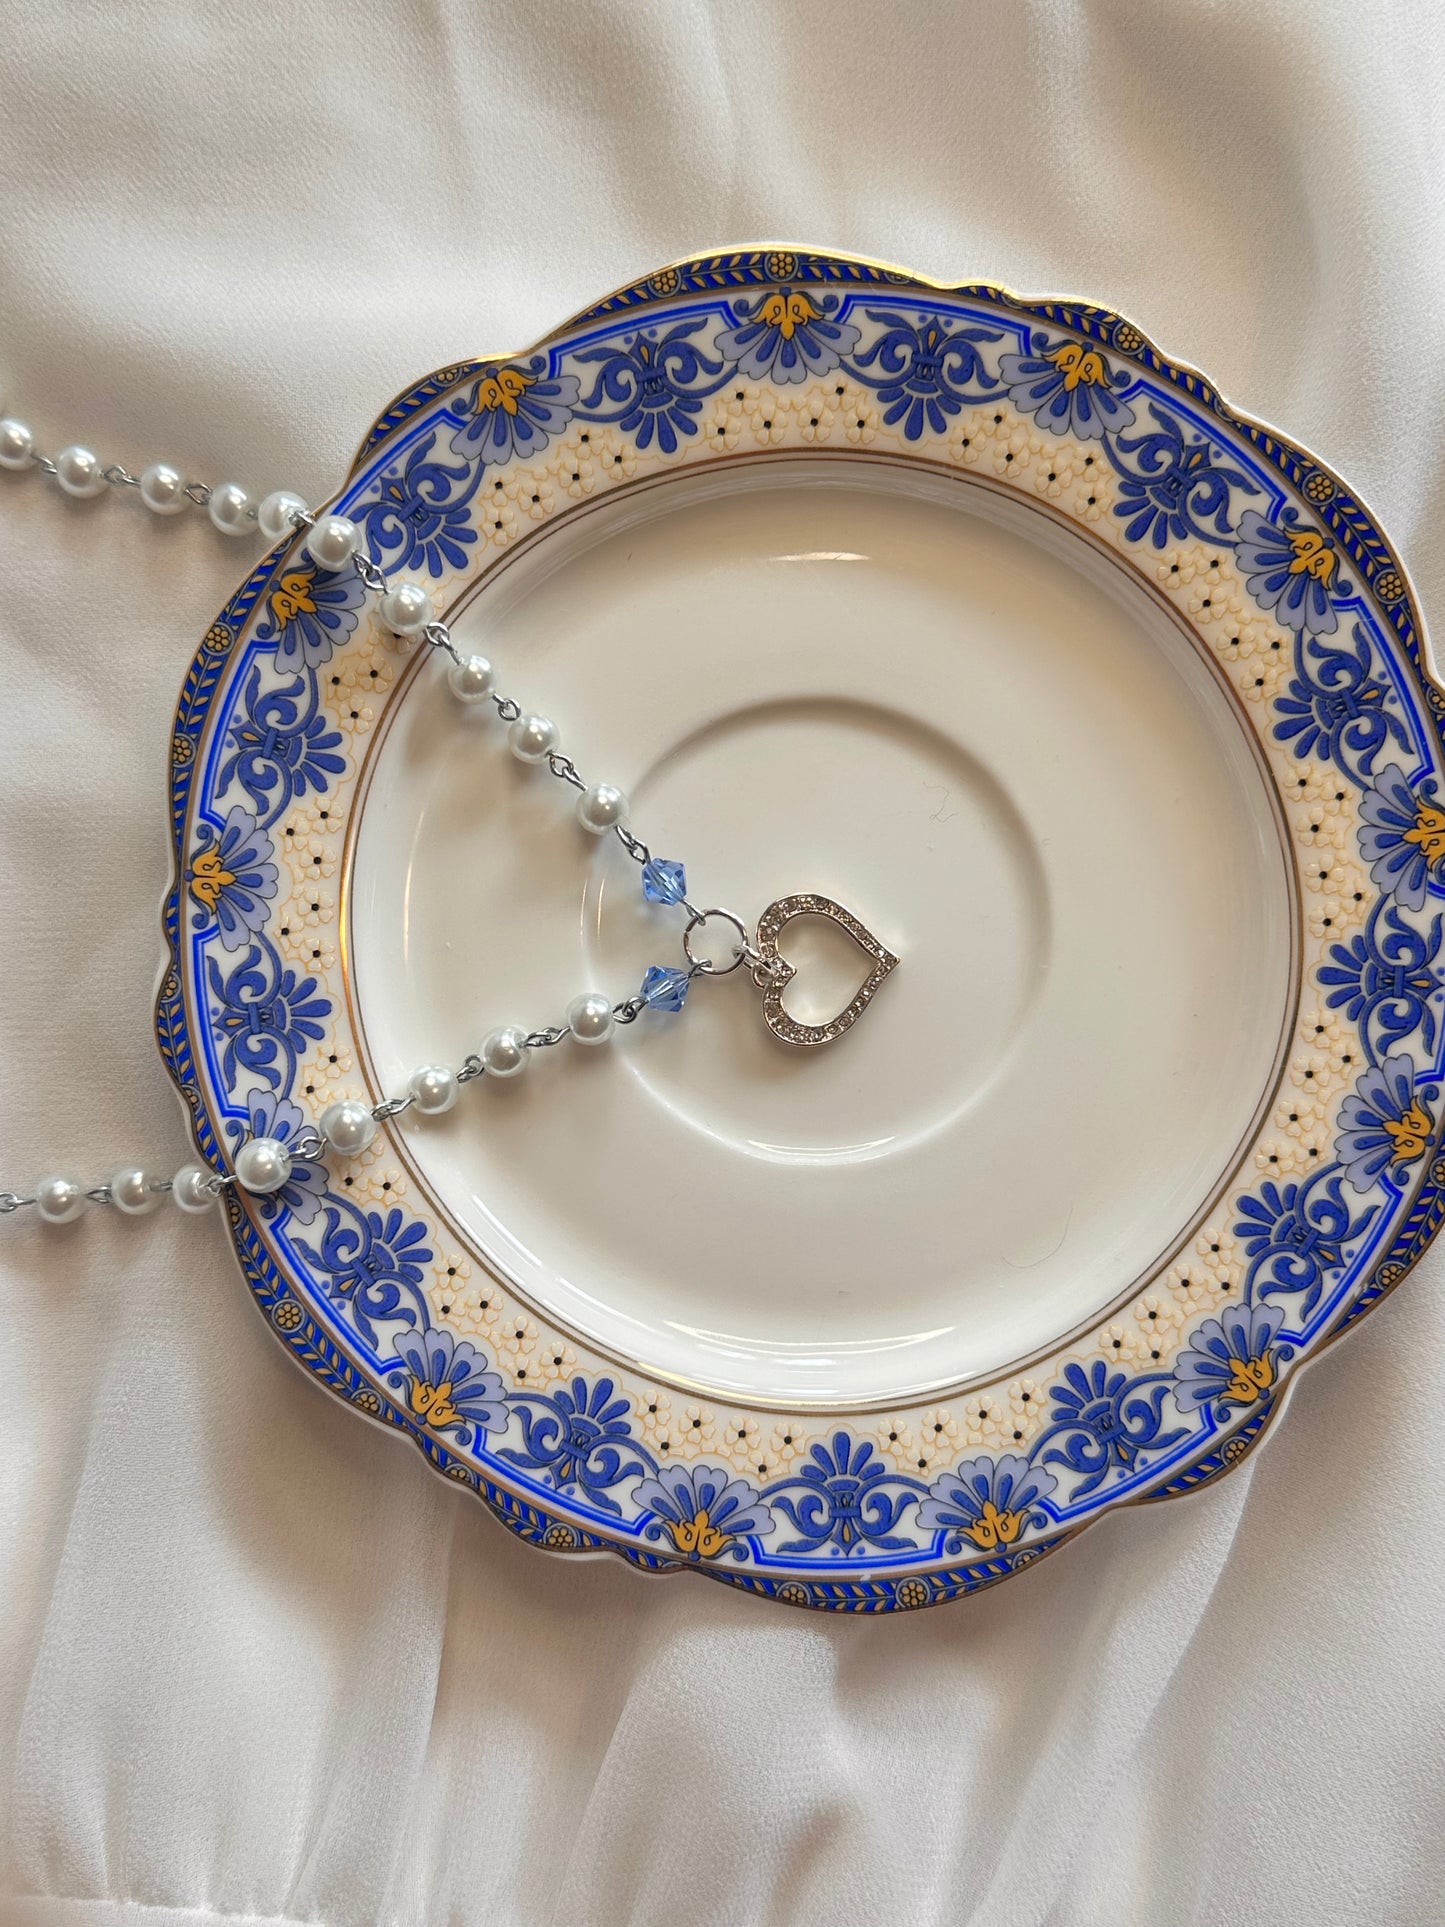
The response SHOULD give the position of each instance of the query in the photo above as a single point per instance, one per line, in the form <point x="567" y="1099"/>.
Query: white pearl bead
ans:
<point x="228" y="509"/>
<point x="263" y="1164"/>
<point x="78" y="471"/>
<point x="406" y="608"/>
<point x="471" y="679"/>
<point x="131" y="1191"/>
<point x="58" y="1200"/>
<point x="274" y="512"/>
<point x="601" y="808"/>
<point x="17" y="443"/>
<point x="332" y="542"/>
<point x="433" y="1089"/>
<point x="191" y="1188"/>
<point x="348" y="1126"/>
<point x="531" y="738"/>
<point x="504" y="1051"/>
<point x="163" y="489"/>
<point x="590" y="1018"/>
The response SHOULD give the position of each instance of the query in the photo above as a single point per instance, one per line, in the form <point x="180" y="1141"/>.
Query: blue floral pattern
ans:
<point x="1289" y="569"/>
<point x="1315" y="1245"/>
<point x="373" y="1263"/>
<point x="1173" y="486"/>
<point x="1296" y="1235"/>
<point x="1403" y="840"/>
<point x="653" y="384"/>
<point x="924" y="371"/>
<point x="282" y="747"/>
<point x="512" y="413"/>
<point x="1386" y="1123"/>
<point x="1229" y="1360"/>
<point x="844" y="1496"/>
<point x="787" y="336"/>
<point x="447" y="1384"/>
<point x="309" y="612"/>
<point x="266" y="1016"/>
<point x="1102" y="1420"/>
<point x="579" y="1439"/>
<point x="1067" y="388"/>
<point x="704" y="1511"/>
<point x="1337" y="708"/>
<point x="417" y="514"/>
<point x="1385" y="980"/>
<point x="231" y="877"/>
<point x="986" y="1503"/>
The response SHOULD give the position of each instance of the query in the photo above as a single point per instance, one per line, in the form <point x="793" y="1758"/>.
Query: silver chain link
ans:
<point x="391" y="1107"/>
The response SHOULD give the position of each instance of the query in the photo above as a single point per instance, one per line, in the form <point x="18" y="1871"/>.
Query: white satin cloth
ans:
<point x="256" y="1663"/>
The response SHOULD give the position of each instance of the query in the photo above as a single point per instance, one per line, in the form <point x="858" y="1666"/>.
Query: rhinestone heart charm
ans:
<point x="773" y="973"/>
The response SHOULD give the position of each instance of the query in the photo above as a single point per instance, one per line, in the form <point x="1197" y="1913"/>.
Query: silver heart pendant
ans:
<point x="773" y="973"/>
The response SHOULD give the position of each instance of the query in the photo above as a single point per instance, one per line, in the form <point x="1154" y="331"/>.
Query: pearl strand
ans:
<point x="263" y="1166"/>
<point x="80" y="472"/>
<point x="133" y="1190"/>
<point x="348" y="1127"/>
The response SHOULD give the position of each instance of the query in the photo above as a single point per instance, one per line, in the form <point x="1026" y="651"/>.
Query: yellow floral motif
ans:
<point x="502" y="390"/>
<point x="432" y="1403"/>
<point x="1079" y="364"/>
<point x="1410" y="1134"/>
<point x="1429" y="832"/>
<point x="787" y="311"/>
<point x="210" y="878"/>
<point x="1312" y="555"/>
<point x="1252" y="1378"/>
<point x="698" y="1535"/>
<point x="993" y="1528"/>
<point x="293" y="598"/>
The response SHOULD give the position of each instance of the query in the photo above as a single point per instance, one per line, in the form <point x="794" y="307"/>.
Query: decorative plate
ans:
<point x="1100" y="704"/>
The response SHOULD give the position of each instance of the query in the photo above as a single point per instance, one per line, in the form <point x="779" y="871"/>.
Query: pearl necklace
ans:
<point x="332" y="544"/>
<point x="164" y="490"/>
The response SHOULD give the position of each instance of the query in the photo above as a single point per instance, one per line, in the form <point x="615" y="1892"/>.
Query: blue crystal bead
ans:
<point x="665" y="989"/>
<point x="662" y="881"/>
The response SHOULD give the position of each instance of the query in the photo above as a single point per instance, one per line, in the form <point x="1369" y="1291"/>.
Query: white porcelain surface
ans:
<point x="967" y="725"/>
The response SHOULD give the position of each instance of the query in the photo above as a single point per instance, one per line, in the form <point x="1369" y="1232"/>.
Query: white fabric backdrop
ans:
<point x="255" y="1662"/>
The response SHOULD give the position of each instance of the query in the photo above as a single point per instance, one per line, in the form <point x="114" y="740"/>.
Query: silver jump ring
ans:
<point x="705" y="964"/>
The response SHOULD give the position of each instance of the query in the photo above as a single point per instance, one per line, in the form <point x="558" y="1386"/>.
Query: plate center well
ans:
<point x="969" y="726"/>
